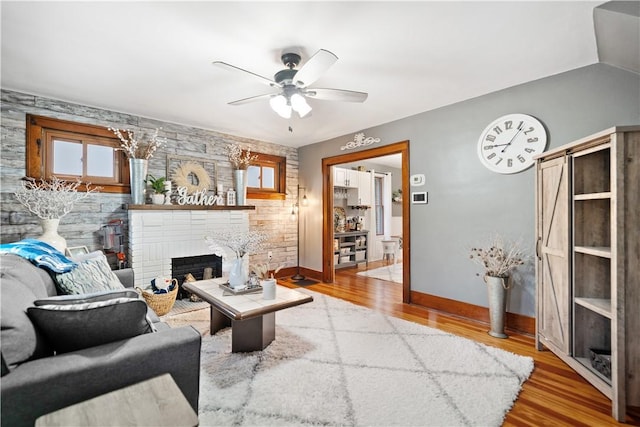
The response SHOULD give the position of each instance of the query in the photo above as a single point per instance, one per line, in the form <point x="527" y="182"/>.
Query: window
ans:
<point x="378" y="183"/>
<point x="72" y="151"/>
<point x="267" y="177"/>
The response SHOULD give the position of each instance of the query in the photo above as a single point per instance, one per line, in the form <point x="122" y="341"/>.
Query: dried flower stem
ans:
<point x="133" y="148"/>
<point x="239" y="242"/>
<point x="499" y="257"/>
<point x="239" y="157"/>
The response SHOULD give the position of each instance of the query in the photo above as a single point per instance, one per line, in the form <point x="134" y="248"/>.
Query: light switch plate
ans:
<point x="417" y="180"/>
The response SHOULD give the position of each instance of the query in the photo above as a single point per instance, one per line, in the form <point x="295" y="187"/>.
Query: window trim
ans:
<point x="279" y="163"/>
<point x="37" y="156"/>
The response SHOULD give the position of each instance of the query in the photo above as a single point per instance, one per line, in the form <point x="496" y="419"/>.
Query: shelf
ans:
<point x="601" y="251"/>
<point x="187" y="208"/>
<point x="601" y="306"/>
<point x="345" y="244"/>
<point x="345" y="264"/>
<point x="586" y="362"/>
<point x="593" y="196"/>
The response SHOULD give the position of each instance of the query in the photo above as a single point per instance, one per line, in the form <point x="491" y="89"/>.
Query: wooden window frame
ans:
<point x="279" y="164"/>
<point x="38" y="157"/>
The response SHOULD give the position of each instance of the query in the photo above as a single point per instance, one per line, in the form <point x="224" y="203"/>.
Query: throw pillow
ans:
<point x="94" y="297"/>
<point x="71" y="327"/>
<point x="151" y="316"/>
<point x="91" y="275"/>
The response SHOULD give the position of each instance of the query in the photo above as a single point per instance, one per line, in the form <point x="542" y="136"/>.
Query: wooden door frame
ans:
<point x="328" y="274"/>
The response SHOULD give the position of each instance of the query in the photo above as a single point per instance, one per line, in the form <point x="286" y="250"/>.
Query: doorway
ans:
<point x="402" y="148"/>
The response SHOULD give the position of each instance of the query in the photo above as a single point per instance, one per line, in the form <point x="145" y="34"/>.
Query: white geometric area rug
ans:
<point x="391" y="272"/>
<point x="337" y="364"/>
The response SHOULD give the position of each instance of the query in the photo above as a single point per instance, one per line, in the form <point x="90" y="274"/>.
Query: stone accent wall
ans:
<point x="82" y="225"/>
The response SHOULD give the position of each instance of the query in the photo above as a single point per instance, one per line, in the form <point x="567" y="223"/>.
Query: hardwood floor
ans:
<point x="554" y="395"/>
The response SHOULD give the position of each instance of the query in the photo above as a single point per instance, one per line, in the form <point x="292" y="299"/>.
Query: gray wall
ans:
<point x="467" y="202"/>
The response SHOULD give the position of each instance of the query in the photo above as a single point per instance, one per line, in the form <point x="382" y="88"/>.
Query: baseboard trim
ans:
<point x="307" y="272"/>
<point x="515" y="322"/>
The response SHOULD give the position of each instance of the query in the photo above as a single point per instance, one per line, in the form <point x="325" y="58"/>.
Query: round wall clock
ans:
<point x="508" y="144"/>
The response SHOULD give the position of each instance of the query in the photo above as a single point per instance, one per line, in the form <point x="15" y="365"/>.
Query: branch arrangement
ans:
<point x="237" y="241"/>
<point x="499" y="257"/>
<point x="134" y="148"/>
<point x="240" y="158"/>
<point x="51" y="200"/>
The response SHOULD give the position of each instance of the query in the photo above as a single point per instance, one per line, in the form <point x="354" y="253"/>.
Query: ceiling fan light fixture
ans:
<point x="300" y="104"/>
<point x="280" y="105"/>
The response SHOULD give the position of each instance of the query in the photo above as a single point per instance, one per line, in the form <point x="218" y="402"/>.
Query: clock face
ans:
<point x="509" y="143"/>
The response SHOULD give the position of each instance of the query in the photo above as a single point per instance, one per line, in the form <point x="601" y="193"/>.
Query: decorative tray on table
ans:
<point x="249" y="289"/>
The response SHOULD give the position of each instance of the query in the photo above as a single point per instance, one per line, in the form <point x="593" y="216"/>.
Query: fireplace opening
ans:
<point x="196" y="266"/>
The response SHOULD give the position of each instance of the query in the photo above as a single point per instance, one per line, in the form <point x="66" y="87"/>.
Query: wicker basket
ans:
<point x="160" y="303"/>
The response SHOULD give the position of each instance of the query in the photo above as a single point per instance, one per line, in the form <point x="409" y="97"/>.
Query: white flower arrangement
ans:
<point x="134" y="148"/>
<point x="240" y="158"/>
<point x="238" y="242"/>
<point x="263" y="270"/>
<point x="498" y="258"/>
<point x="51" y="200"/>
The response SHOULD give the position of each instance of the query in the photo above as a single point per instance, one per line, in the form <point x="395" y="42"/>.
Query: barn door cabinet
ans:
<point x="588" y="260"/>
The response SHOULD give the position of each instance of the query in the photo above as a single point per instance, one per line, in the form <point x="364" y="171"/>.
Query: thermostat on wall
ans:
<point x="419" y="197"/>
<point x="417" y="180"/>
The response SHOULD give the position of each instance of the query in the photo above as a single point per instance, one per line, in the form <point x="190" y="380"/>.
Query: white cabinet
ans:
<point x="362" y="195"/>
<point x="347" y="178"/>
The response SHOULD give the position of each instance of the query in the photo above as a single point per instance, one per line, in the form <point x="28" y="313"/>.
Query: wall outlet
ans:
<point x="269" y="255"/>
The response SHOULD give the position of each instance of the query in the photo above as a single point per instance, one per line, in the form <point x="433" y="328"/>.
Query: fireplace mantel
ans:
<point x="188" y="208"/>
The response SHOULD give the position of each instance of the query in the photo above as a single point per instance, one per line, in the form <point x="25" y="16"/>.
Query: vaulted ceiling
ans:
<point x="153" y="59"/>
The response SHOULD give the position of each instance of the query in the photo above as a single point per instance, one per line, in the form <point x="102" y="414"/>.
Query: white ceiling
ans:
<point x="153" y="59"/>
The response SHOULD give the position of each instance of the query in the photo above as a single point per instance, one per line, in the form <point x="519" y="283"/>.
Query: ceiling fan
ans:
<point x="294" y="84"/>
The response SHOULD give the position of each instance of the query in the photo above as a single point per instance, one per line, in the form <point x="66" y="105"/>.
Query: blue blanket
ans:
<point x="41" y="254"/>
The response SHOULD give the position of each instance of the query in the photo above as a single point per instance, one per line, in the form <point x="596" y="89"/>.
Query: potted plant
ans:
<point x="498" y="259"/>
<point x="158" y="187"/>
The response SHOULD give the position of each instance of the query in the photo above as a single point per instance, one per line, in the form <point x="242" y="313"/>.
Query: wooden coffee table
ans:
<point x="252" y="319"/>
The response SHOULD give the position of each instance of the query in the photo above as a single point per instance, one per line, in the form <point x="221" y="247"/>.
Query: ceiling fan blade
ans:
<point x="336" y="95"/>
<point x="311" y="71"/>
<point x="251" y="99"/>
<point x="230" y="67"/>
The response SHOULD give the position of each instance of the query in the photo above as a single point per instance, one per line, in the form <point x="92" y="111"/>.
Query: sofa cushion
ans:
<point x="5" y="368"/>
<point x="91" y="275"/>
<point x="70" y="327"/>
<point x="22" y="283"/>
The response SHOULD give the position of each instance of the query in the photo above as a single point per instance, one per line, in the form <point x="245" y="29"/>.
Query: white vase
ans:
<point x="239" y="274"/>
<point x="137" y="175"/>
<point x="240" y="179"/>
<point x="268" y="288"/>
<point x="157" y="199"/>
<point x="50" y="234"/>
<point x="497" y="288"/>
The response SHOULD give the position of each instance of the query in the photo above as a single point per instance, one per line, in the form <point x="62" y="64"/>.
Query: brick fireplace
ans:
<point x="157" y="235"/>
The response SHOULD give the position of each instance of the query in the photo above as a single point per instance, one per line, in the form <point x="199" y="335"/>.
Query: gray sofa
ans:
<point x="47" y="381"/>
